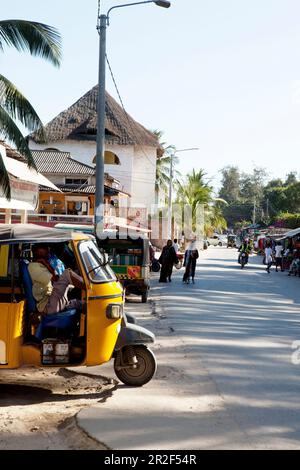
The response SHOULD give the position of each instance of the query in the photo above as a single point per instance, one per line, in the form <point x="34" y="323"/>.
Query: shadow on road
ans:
<point x="240" y="326"/>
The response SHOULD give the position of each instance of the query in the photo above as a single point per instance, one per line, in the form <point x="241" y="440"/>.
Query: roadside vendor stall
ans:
<point x="290" y="242"/>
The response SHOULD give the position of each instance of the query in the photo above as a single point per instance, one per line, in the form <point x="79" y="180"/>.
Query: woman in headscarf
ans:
<point x="190" y="261"/>
<point x="167" y="260"/>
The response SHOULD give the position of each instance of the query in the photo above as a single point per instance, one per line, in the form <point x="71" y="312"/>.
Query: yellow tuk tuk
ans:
<point x="89" y="337"/>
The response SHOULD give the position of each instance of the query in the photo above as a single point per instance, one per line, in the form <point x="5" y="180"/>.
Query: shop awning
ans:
<point x="24" y="183"/>
<point x="22" y="171"/>
<point x="15" y="204"/>
<point x="291" y="233"/>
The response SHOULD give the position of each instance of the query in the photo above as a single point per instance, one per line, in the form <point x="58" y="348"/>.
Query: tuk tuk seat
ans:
<point x="66" y="320"/>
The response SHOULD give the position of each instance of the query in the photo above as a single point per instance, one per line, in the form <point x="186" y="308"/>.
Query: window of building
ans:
<point x="110" y="158"/>
<point x="78" y="181"/>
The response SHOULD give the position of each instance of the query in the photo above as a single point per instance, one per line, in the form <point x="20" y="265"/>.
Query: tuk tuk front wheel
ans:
<point x="144" y="297"/>
<point x="143" y="371"/>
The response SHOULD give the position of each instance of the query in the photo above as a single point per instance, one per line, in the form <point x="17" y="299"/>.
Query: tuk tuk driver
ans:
<point x="49" y="289"/>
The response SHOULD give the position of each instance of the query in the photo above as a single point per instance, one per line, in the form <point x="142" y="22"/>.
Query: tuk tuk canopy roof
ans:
<point x="30" y="233"/>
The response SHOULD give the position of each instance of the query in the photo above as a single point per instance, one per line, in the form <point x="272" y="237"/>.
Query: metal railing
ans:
<point x="51" y="219"/>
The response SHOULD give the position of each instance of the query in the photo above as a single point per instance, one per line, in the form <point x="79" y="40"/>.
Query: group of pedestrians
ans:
<point x="282" y="257"/>
<point x="169" y="258"/>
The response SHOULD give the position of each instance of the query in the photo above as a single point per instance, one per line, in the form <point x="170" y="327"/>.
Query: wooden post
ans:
<point x="24" y="217"/>
<point x="8" y="216"/>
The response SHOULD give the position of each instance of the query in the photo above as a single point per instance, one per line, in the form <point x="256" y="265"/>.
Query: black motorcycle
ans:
<point x="243" y="259"/>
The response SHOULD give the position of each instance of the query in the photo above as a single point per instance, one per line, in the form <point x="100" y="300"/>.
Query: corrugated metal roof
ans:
<point x="60" y="162"/>
<point x="85" y="188"/>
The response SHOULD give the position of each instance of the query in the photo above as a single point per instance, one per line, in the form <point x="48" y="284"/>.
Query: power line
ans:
<point x="123" y="107"/>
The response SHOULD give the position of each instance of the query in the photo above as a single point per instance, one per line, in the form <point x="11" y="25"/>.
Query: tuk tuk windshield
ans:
<point x="94" y="263"/>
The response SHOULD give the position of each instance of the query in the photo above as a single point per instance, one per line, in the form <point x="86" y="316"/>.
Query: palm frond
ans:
<point x="220" y="199"/>
<point x="18" y="107"/>
<point x="36" y="38"/>
<point x="4" y="180"/>
<point x="11" y="131"/>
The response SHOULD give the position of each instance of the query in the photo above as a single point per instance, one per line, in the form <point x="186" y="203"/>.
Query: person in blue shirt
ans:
<point x="56" y="264"/>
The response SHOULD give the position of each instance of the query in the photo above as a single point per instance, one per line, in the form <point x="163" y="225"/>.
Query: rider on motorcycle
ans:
<point x="245" y="248"/>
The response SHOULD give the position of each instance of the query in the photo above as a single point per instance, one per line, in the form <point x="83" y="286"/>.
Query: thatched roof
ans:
<point x="79" y="122"/>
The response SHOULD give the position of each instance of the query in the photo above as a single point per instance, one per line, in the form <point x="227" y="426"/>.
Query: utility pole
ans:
<point x="254" y="212"/>
<point x="103" y="22"/>
<point x="99" y="194"/>
<point x="170" y="199"/>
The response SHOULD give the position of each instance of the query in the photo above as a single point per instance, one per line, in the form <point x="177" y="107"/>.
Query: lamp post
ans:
<point x="171" y="188"/>
<point x="103" y="22"/>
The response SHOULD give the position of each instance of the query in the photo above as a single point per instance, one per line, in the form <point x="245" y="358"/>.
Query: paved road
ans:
<point x="225" y="377"/>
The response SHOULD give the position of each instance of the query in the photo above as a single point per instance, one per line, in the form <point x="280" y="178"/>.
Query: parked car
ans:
<point x="217" y="240"/>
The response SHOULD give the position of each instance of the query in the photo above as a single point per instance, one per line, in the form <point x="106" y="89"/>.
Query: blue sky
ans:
<point x="223" y="76"/>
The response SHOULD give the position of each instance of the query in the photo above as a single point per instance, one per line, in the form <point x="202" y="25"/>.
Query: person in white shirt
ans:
<point x="278" y="256"/>
<point x="175" y="245"/>
<point x="268" y="256"/>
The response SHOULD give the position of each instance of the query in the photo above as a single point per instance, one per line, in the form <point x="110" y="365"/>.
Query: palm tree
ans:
<point x="39" y="40"/>
<point x="193" y="192"/>
<point x="163" y="163"/>
<point x="196" y="191"/>
<point x="214" y="219"/>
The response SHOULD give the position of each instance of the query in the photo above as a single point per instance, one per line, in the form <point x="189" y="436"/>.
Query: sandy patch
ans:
<point x="38" y="408"/>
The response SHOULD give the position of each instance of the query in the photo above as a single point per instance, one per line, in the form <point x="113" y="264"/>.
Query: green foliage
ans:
<point x="231" y="182"/>
<point x="163" y="163"/>
<point x="287" y="220"/>
<point x="215" y="221"/>
<point x="292" y="193"/>
<point x="284" y="198"/>
<point x="236" y="212"/>
<point x="252" y="185"/>
<point x="291" y="178"/>
<point x="242" y="191"/>
<point x="276" y="183"/>
<point x="194" y="191"/>
<point x="251" y="190"/>
<point x="242" y="223"/>
<point x="39" y="40"/>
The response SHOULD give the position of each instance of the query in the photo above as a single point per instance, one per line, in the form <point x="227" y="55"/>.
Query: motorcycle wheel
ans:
<point x="143" y="373"/>
<point x="178" y="265"/>
<point x="155" y="266"/>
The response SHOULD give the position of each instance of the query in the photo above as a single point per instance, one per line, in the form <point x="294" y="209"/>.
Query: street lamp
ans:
<point x="171" y="188"/>
<point x="103" y="22"/>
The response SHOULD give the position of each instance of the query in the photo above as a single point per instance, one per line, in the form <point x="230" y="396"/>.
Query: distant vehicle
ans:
<point x="217" y="240"/>
<point x="232" y="241"/>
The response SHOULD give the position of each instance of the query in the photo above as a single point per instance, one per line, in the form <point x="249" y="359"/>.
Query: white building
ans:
<point x="131" y="150"/>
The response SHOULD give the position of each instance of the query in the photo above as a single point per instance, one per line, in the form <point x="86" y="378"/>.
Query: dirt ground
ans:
<point x="38" y="408"/>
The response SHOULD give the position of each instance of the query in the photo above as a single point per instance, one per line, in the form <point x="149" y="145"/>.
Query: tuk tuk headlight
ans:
<point x="114" y="311"/>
